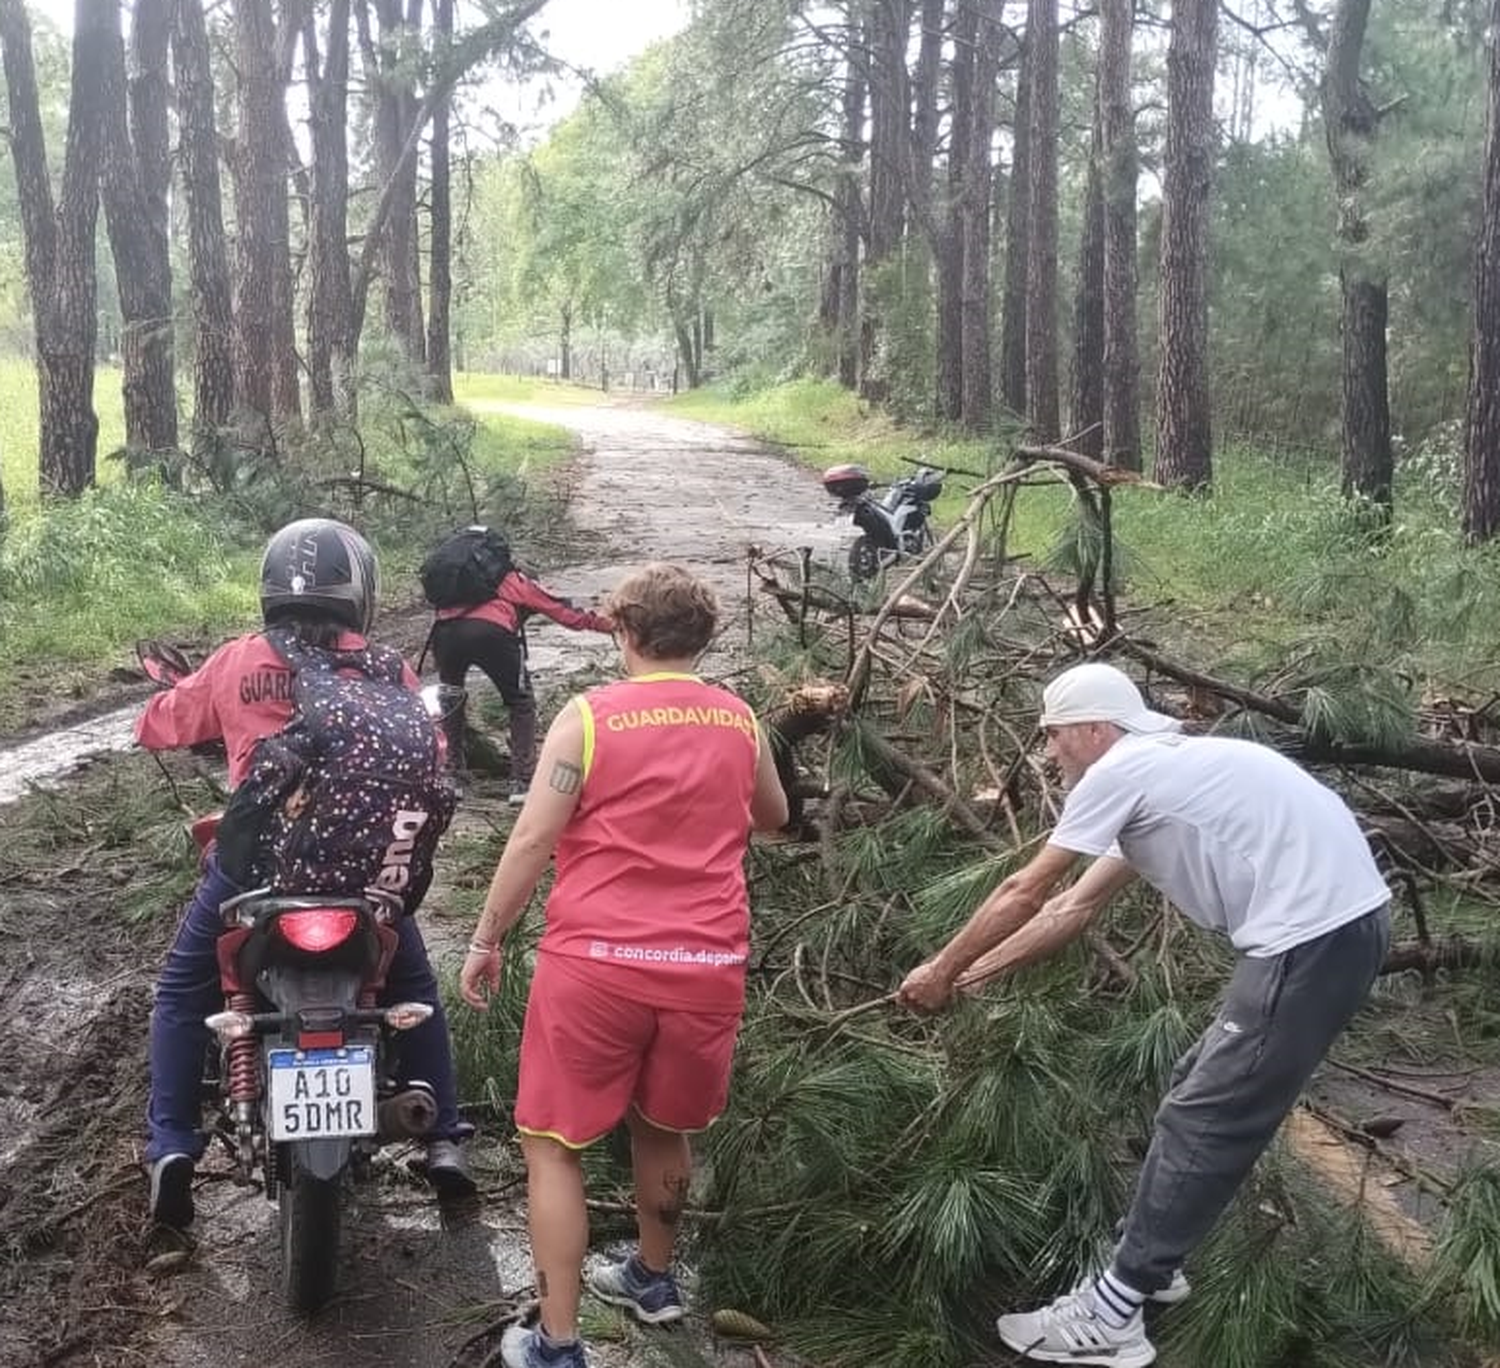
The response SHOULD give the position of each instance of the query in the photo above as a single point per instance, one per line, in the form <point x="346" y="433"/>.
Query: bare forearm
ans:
<point x="998" y="918"/>
<point x="1061" y="920"/>
<point x="510" y="890"/>
<point x="1056" y="925"/>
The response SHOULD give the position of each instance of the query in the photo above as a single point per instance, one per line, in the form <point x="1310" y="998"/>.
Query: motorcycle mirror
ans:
<point x="442" y="700"/>
<point x="161" y="663"/>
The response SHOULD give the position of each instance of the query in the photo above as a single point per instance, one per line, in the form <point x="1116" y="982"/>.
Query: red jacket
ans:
<point x="519" y="595"/>
<point x="241" y="693"/>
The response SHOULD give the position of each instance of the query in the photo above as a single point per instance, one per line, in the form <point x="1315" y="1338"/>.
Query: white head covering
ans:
<point x="1100" y="693"/>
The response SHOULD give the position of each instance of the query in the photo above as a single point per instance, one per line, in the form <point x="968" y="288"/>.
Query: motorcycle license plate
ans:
<point x="322" y="1094"/>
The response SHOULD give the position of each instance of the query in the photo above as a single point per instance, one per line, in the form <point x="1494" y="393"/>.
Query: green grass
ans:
<point x="20" y="428"/>
<point x="472" y="388"/>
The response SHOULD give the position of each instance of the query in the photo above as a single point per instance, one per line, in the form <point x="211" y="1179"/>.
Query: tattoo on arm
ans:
<point x="566" y="777"/>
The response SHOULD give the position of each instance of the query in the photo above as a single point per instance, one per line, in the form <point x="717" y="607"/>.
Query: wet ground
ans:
<point x="91" y="847"/>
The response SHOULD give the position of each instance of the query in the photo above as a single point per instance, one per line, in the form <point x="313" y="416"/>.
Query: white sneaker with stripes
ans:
<point x="1068" y="1331"/>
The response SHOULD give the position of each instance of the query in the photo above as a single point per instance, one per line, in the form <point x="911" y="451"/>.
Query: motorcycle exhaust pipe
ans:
<point x="408" y="1115"/>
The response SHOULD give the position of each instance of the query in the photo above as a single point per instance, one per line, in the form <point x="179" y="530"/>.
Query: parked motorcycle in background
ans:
<point x="301" y="1068"/>
<point x="891" y="526"/>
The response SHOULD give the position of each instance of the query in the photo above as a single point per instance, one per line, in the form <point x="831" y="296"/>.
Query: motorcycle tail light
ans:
<point x="230" y="1025"/>
<point x="404" y="1015"/>
<point x="317" y="928"/>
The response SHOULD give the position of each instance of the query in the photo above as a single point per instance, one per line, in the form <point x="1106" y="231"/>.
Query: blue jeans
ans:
<point x="188" y="991"/>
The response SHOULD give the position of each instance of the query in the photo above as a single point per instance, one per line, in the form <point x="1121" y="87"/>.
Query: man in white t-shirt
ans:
<point x="1246" y="843"/>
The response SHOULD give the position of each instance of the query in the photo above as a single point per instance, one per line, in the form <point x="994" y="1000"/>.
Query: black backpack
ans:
<point x="465" y="569"/>
<point x="351" y="795"/>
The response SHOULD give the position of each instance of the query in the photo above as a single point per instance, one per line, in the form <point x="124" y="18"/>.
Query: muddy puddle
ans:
<point x="78" y="1284"/>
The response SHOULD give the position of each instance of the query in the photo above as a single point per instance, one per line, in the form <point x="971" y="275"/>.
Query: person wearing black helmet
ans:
<point x="319" y="579"/>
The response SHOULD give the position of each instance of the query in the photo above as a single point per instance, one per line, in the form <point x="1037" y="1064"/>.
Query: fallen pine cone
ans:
<point x="734" y="1324"/>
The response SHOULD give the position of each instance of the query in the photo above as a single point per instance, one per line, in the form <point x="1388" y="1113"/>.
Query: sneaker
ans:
<point x="652" y="1298"/>
<point x="517" y="795"/>
<point x="447" y="1171"/>
<point x="172" y="1191"/>
<point x="1068" y="1331"/>
<point x="524" y="1347"/>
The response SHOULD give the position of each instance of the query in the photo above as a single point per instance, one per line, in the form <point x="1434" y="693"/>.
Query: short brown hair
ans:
<point x="668" y="613"/>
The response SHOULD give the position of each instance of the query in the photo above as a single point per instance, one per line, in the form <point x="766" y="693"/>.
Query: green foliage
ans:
<point x="1467" y="1265"/>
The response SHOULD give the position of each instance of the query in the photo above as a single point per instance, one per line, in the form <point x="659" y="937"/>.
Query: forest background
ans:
<point x="251" y="254"/>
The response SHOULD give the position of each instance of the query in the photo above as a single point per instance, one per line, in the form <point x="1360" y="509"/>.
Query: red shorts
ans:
<point x="588" y="1055"/>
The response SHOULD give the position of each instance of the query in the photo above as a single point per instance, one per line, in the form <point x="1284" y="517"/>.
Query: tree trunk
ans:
<point x="134" y="180"/>
<point x="1086" y="409"/>
<point x="888" y="28"/>
<point x="260" y="184"/>
<point x="1041" y="234"/>
<point x="1184" y="428"/>
<point x="839" y="311"/>
<point x="330" y="360"/>
<point x="1122" y="413"/>
<point x="925" y="114"/>
<point x="978" y="379"/>
<point x="1482" y="421"/>
<point x="1017" y="220"/>
<point x="59" y="243"/>
<point x="208" y="258"/>
<point x="389" y="64"/>
<point x="287" y="370"/>
<point x="565" y="342"/>
<point x="1349" y="122"/>
<point x="440" y="272"/>
<point x="950" y="255"/>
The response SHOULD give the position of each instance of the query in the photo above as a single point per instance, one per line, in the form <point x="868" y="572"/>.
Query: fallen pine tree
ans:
<point x="882" y="1184"/>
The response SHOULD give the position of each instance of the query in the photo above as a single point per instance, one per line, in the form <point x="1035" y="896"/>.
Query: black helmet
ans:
<point x="322" y="567"/>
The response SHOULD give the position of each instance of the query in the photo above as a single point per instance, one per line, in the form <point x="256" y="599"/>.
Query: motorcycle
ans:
<point x="893" y="525"/>
<point x="299" y="1067"/>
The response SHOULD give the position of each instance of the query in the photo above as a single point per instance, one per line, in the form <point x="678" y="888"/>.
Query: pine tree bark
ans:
<point x="1042" y="402"/>
<point x="440" y="212"/>
<point x="59" y="240"/>
<point x="389" y="63"/>
<point x="1184" y="425"/>
<point x="330" y="361"/>
<point x="260" y="186"/>
<point x="1017" y="220"/>
<point x="1349" y="122"/>
<point x="1482" y="419"/>
<point x="978" y="378"/>
<point x="134" y="181"/>
<point x="1122" y="401"/>
<point x="287" y="369"/>
<point x="950" y="256"/>
<point x="1086" y="409"/>
<point x="887" y="29"/>
<point x="839" y="310"/>
<point x="926" y="113"/>
<point x="208" y="257"/>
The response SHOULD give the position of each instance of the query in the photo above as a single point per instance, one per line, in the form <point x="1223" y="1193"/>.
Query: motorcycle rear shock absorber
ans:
<point x="242" y="1087"/>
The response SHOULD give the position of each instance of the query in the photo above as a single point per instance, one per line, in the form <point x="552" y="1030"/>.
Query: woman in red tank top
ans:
<point x="647" y="790"/>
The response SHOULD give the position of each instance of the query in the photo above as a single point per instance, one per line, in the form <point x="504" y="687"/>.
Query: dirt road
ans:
<point x="88" y="867"/>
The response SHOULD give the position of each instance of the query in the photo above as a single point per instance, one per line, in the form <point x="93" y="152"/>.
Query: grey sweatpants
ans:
<point x="1234" y="1088"/>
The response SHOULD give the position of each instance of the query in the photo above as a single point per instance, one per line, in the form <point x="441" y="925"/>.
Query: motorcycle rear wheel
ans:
<point x="310" y="1216"/>
<point x="864" y="559"/>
